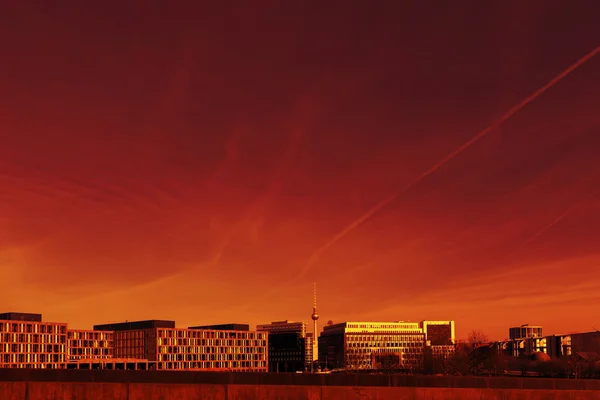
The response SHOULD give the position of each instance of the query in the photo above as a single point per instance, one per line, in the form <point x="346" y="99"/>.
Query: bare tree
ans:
<point x="477" y="338"/>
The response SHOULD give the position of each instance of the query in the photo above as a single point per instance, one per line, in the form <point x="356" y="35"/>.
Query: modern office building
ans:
<point x="288" y="346"/>
<point x="189" y="349"/>
<point x="526" y="341"/>
<point x="438" y="332"/>
<point x="309" y="357"/>
<point x="525" y="331"/>
<point x="361" y="345"/>
<point x="27" y="342"/>
<point x="440" y="343"/>
<point x="89" y="345"/>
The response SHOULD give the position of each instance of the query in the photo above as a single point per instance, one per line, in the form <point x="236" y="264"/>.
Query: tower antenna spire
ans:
<point x="315" y="318"/>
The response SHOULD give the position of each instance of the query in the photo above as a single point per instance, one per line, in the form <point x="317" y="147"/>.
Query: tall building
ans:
<point x="525" y="331"/>
<point x="308" y="353"/>
<point x="173" y="348"/>
<point x="363" y="345"/>
<point x="315" y="317"/>
<point x="439" y="344"/>
<point x="27" y="342"/>
<point x="288" y="346"/>
<point x="439" y="332"/>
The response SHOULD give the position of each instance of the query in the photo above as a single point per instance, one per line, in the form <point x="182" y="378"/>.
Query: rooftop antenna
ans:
<point x="596" y="329"/>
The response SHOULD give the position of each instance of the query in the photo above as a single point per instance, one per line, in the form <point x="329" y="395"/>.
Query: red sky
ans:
<point x="185" y="162"/>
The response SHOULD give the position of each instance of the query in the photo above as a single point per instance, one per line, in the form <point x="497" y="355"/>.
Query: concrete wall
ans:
<point x="150" y="385"/>
<point x="147" y="391"/>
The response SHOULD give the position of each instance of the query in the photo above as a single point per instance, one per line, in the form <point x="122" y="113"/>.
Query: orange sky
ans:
<point x="186" y="163"/>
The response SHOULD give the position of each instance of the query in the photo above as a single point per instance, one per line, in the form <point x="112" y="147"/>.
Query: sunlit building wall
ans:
<point x="89" y="344"/>
<point x="27" y="342"/>
<point x="351" y="345"/>
<point x="309" y="345"/>
<point x="171" y="348"/>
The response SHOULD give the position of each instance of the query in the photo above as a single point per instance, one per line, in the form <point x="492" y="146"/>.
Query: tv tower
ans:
<point x="315" y="318"/>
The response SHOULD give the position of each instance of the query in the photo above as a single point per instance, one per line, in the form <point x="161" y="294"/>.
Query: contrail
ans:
<point x="354" y="224"/>
<point x="555" y="221"/>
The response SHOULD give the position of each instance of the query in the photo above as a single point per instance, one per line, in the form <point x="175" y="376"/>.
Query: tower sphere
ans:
<point x="315" y="315"/>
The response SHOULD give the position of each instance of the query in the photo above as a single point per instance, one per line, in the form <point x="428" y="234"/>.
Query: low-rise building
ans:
<point x="355" y="345"/>
<point x="27" y="342"/>
<point x="189" y="349"/>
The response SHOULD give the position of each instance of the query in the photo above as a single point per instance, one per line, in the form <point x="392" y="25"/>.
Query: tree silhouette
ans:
<point x="477" y="338"/>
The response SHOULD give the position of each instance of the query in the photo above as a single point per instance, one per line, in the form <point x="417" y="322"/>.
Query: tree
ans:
<point x="459" y="363"/>
<point x="477" y="338"/>
<point x="386" y="362"/>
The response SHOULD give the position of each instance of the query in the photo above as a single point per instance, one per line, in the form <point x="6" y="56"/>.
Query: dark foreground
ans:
<point x="183" y="385"/>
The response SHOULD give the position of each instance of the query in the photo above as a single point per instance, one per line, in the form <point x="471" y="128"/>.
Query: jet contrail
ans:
<point x="555" y="221"/>
<point x="354" y="224"/>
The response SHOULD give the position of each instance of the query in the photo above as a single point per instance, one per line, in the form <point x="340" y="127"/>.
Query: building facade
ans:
<point x="89" y="344"/>
<point x="527" y="340"/>
<point x="289" y="347"/>
<point x="27" y="342"/>
<point x="525" y="331"/>
<point x="310" y="345"/>
<point x="171" y="348"/>
<point x="440" y="344"/>
<point x="363" y="345"/>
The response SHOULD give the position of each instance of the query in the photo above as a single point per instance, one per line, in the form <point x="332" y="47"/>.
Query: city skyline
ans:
<point x="204" y="171"/>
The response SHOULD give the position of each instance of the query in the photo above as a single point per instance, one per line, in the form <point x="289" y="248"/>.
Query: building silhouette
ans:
<point x="288" y="346"/>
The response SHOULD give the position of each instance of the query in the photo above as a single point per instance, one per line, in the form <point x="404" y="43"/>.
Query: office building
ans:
<point x="89" y="345"/>
<point x="288" y="346"/>
<point x="439" y="333"/>
<point x="362" y="345"/>
<point x="309" y="346"/>
<point x="440" y="343"/>
<point x="526" y="341"/>
<point x="525" y="331"/>
<point x="172" y="348"/>
<point x="27" y="342"/>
